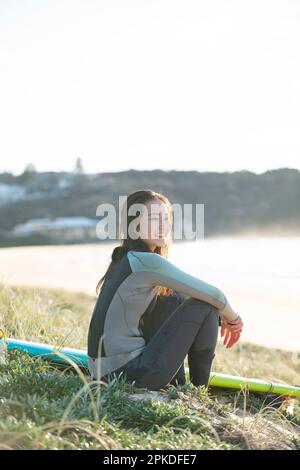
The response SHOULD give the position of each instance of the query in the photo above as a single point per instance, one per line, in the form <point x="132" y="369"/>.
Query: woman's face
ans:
<point x="159" y="225"/>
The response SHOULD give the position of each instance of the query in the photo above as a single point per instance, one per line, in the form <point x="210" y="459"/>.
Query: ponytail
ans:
<point x="118" y="253"/>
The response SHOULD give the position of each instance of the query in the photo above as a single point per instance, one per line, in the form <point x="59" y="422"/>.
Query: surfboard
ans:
<point x="68" y="355"/>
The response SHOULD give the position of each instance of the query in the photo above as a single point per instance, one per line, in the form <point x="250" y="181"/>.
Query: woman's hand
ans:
<point x="232" y="330"/>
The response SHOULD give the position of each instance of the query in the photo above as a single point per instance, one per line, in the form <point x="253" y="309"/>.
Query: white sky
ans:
<point x="207" y="85"/>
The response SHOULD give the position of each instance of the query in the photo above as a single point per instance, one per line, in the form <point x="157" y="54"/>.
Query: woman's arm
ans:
<point x="157" y="270"/>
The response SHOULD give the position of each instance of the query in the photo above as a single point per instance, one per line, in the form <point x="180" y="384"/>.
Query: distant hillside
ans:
<point x="234" y="202"/>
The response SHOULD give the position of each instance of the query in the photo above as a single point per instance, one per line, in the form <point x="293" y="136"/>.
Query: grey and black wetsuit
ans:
<point x="123" y="337"/>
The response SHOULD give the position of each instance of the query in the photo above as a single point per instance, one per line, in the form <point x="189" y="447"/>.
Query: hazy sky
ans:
<point x="207" y="85"/>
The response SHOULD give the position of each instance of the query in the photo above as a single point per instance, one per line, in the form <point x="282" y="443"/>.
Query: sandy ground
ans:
<point x="260" y="277"/>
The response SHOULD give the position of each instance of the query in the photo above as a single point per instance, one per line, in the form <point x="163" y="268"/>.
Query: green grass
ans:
<point x="45" y="407"/>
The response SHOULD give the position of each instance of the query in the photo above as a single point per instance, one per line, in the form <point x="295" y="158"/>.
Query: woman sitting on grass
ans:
<point x="150" y="314"/>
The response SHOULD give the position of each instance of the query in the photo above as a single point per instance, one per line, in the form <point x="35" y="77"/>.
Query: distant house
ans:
<point x="66" y="181"/>
<point x="11" y="192"/>
<point x="61" y="228"/>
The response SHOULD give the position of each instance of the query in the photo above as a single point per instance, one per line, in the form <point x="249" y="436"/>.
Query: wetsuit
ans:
<point x="122" y="334"/>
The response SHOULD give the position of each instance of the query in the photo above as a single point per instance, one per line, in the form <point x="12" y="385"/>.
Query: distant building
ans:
<point x="61" y="228"/>
<point x="11" y="192"/>
<point x="66" y="181"/>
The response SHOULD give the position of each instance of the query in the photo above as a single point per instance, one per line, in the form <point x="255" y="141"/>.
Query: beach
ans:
<point x="259" y="276"/>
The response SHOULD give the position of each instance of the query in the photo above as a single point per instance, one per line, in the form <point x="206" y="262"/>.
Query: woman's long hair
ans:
<point x="139" y="197"/>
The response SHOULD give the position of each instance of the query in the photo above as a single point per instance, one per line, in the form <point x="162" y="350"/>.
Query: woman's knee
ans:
<point x="214" y="312"/>
<point x="213" y="319"/>
<point x="194" y="304"/>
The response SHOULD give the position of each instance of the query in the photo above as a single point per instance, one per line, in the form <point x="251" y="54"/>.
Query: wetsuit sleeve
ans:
<point x="157" y="270"/>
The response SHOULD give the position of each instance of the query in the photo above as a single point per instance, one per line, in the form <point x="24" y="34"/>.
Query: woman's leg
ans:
<point x="164" y="307"/>
<point x="191" y="329"/>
